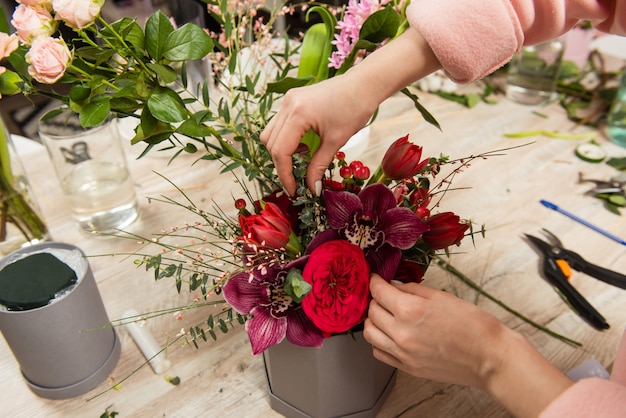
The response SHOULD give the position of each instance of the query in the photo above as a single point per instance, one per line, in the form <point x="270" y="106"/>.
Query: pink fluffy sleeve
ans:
<point x="595" y="397"/>
<point x="474" y="38"/>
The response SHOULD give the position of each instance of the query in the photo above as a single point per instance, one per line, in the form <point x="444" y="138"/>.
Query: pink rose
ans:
<point x="339" y="276"/>
<point x="46" y="4"/>
<point x="32" y="22"/>
<point x="48" y="59"/>
<point x="8" y="44"/>
<point x="77" y="13"/>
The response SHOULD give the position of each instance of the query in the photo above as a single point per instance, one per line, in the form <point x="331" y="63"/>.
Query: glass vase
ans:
<point x="21" y="223"/>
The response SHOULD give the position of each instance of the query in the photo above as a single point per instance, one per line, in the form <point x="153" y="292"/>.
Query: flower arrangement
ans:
<point x="299" y="268"/>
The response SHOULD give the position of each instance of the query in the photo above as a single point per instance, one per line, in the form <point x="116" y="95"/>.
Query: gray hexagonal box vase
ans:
<point x="341" y="379"/>
<point x="53" y="319"/>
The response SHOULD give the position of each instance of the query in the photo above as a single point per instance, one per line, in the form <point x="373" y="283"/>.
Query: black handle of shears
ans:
<point x="608" y="276"/>
<point x="574" y="298"/>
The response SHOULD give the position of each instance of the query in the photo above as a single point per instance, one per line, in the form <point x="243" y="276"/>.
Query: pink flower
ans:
<point x="8" y="44"/>
<point x="32" y="22"/>
<point x="46" y="4"/>
<point x="48" y="59"/>
<point x="357" y="12"/>
<point x="77" y="13"/>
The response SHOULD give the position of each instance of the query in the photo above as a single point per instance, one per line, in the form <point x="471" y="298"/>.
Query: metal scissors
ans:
<point x="557" y="265"/>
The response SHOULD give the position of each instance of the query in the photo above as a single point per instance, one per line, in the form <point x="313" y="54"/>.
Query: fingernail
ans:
<point x="318" y="188"/>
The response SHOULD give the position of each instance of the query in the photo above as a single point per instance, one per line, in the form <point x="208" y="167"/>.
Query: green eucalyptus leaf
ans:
<point x="158" y="27"/>
<point x="164" y="72"/>
<point x="189" y="42"/>
<point x="167" y="106"/>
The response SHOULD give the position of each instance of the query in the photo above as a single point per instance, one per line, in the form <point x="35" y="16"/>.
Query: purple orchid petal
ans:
<point x="377" y="198"/>
<point x="301" y="331"/>
<point x="244" y="294"/>
<point x="264" y="330"/>
<point x="385" y="261"/>
<point x="322" y="237"/>
<point x="402" y="227"/>
<point x="340" y="206"/>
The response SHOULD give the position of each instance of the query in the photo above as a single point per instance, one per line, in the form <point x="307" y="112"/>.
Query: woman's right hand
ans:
<point x="334" y="109"/>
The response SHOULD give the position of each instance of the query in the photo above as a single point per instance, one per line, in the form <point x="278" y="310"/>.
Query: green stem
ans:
<point x="449" y="268"/>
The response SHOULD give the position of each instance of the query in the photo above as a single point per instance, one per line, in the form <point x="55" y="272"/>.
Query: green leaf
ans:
<point x="189" y="42"/>
<point x="295" y="286"/>
<point x="192" y="128"/>
<point x="164" y="72"/>
<point x="424" y="112"/>
<point x="80" y="92"/>
<point x="167" y="106"/>
<point x="380" y="25"/>
<point x="287" y="83"/>
<point x="94" y="113"/>
<point x="158" y="27"/>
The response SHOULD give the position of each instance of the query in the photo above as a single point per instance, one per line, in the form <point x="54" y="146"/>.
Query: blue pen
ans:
<point x="582" y="221"/>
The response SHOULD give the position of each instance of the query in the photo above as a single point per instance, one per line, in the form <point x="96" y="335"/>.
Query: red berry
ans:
<point x="345" y="172"/>
<point x="422" y="213"/>
<point x="355" y="164"/>
<point x="361" y="172"/>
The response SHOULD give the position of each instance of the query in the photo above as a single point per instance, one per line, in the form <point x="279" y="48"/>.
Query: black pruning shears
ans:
<point x="557" y="265"/>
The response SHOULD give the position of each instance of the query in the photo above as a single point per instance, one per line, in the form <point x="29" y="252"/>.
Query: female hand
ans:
<point x="434" y="335"/>
<point x="333" y="109"/>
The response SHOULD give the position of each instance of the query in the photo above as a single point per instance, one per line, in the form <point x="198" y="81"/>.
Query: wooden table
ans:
<point x="223" y="379"/>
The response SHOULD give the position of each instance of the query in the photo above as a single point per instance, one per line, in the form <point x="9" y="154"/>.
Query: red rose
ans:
<point x="339" y="275"/>
<point x="402" y="160"/>
<point x="446" y="229"/>
<point x="270" y="228"/>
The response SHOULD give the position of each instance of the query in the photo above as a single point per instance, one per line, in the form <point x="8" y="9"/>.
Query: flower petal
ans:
<point x="301" y="331"/>
<point x="340" y="206"/>
<point x="377" y="198"/>
<point x="244" y="294"/>
<point x="402" y="227"/>
<point x="384" y="261"/>
<point x="264" y="330"/>
<point x="322" y="237"/>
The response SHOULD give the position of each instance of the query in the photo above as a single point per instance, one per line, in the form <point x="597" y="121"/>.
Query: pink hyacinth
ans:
<point x="356" y="13"/>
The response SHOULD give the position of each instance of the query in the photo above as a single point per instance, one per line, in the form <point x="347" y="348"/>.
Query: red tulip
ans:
<point x="402" y="160"/>
<point x="446" y="229"/>
<point x="270" y="228"/>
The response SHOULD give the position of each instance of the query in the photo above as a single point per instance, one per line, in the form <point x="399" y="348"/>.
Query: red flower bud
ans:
<point x="409" y="272"/>
<point x="402" y="160"/>
<point x="270" y="228"/>
<point x="446" y="229"/>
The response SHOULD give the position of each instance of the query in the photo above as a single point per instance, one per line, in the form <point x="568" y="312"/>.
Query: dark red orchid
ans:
<point x="275" y="315"/>
<point x="372" y="221"/>
<point x="446" y="229"/>
<point x="402" y="160"/>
